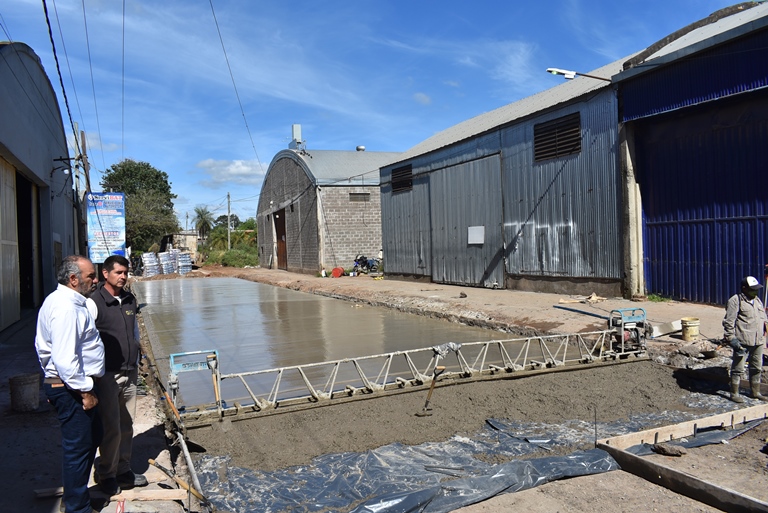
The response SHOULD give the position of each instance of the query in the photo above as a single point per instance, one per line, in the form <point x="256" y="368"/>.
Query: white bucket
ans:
<point x="25" y="392"/>
<point x="690" y="328"/>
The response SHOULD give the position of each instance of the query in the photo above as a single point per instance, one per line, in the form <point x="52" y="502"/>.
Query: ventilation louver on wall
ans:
<point x="402" y="179"/>
<point x="557" y="138"/>
<point x="357" y="197"/>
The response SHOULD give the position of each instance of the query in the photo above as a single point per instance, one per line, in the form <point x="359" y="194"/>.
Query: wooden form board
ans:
<point x="687" y="429"/>
<point x="681" y="482"/>
<point x="135" y="494"/>
<point x="152" y="474"/>
<point x="157" y="494"/>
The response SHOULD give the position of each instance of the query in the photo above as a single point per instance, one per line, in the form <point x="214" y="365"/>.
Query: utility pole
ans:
<point x="229" y="224"/>
<point x="77" y="169"/>
<point x="86" y="165"/>
<point x="186" y="223"/>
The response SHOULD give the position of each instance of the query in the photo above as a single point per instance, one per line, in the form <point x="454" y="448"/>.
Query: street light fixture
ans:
<point x="570" y="75"/>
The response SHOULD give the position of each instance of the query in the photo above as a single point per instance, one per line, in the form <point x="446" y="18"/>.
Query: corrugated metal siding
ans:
<point x="462" y="196"/>
<point x="703" y="182"/>
<point x="406" y="224"/>
<point x="406" y="229"/>
<point x="562" y="216"/>
<point x="729" y="69"/>
<point x="10" y="307"/>
<point x="569" y="207"/>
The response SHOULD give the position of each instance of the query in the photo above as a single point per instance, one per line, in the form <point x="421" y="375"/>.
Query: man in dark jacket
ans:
<point x="744" y="328"/>
<point x="114" y="310"/>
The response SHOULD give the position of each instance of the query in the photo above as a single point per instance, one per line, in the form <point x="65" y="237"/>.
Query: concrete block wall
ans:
<point x="350" y="227"/>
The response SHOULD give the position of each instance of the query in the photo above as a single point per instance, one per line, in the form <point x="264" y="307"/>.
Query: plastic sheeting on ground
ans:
<point x="704" y="437"/>
<point x="513" y="476"/>
<point x="430" y="478"/>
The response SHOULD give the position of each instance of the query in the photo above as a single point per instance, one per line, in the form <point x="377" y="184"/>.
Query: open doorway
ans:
<point x="282" y="248"/>
<point x="30" y="288"/>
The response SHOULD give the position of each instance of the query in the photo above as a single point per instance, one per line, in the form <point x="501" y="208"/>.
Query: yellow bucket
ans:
<point x="690" y="328"/>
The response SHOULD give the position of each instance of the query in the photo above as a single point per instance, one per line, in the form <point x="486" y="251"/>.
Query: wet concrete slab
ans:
<point x="255" y="326"/>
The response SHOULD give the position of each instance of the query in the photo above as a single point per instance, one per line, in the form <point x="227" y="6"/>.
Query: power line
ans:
<point x="232" y="76"/>
<point x="71" y="75"/>
<point x="122" y="96"/>
<point x="93" y="84"/>
<point x="61" y="80"/>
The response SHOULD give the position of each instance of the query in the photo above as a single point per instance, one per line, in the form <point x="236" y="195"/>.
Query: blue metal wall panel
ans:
<point x="562" y="216"/>
<point x="704" y="182"/>
<point x="735" y="67"/>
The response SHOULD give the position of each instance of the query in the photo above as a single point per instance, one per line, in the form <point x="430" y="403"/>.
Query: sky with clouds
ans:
<point x="149" y="80"/>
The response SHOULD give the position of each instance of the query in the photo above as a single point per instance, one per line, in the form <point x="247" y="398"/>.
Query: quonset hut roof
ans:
<point x="737" y="20"/>
<point x="331" y="167"/>
<point x="538" y="102"/>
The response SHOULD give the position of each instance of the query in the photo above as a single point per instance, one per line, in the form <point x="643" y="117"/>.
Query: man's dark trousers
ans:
<point x="80" y="436"/>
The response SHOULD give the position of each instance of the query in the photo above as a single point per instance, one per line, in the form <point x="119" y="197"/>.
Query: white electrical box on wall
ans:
<point x="476" y="235"/>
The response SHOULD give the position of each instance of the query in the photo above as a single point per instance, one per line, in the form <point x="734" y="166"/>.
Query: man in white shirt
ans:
<point x="71" y="354"/>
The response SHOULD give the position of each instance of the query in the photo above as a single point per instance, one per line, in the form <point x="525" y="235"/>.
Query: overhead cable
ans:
<point x="61" y="80"/>
<point x="93" y="84"/>
<point x="71" y="75"/>
<point x="232" y="76"/>
<point x="122" y="96"/>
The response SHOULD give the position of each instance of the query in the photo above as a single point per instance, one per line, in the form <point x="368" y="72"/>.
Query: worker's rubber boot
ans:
<point x="754" y="383"/>
<point x="735" y="396"/>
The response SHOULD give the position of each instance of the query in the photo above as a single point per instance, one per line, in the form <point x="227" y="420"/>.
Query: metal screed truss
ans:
<point x="299" y="386"/>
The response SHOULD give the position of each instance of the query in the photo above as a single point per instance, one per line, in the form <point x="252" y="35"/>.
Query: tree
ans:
<point x="222" y="221"/>
<point x="203" y="221"/>
<point x="217" y="238"/>
<point x="152" y="222"/>
<point x="148" y="201"/>
<point x="248" y="224"/>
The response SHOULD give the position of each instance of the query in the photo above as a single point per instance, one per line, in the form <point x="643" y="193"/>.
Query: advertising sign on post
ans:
<point x="106" y="225"/>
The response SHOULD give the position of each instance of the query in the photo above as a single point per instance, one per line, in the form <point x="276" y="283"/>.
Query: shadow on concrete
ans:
<point x="710" y="380"/>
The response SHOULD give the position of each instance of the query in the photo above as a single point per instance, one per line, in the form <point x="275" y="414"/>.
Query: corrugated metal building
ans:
<point x="695" y="147"/>
<point x="37" y="204"/>
<point x="320" y="208"/>
<point x="526" y="196"/>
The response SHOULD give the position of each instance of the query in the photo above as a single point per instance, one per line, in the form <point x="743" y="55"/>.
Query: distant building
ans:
<point x="319" y="208"/>
<point x="38" y="207"/>
<point x="185" y="241"/>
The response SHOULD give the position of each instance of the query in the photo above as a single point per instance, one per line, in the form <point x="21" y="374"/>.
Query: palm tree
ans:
<point x="203" y="221"/>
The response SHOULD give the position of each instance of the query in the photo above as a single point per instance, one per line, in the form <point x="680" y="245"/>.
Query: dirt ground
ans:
<point x="616" y="392"/>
